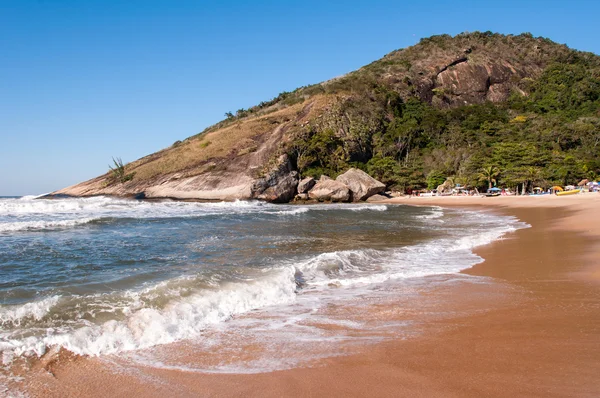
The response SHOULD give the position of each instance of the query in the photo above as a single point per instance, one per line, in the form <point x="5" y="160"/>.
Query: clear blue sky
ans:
<point x="84" y="80"/>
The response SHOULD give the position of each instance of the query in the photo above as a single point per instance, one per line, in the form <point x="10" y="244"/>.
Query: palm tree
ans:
<point x="489" y="174"/>
<point x="466" y="180"/>
<point x="532" y="175"/>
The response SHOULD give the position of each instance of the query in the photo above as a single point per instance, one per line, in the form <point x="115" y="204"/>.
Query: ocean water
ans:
<point x="102" y="276"/>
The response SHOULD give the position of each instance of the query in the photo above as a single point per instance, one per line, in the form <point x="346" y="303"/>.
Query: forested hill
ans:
<point x="518" y="108"/>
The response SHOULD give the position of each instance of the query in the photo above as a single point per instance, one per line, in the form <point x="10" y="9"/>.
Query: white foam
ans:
<point x="186" y="315"/>
<point x="182" y="318"/>
<point x="31" y="214"/>
<point x="435" y="213"/>
<point x="348" y="207"/>
<point x="42" y="225"/>
<point x="36" y="310"/>
<point x="293" y="212"/>
<point x="368" y="207"/>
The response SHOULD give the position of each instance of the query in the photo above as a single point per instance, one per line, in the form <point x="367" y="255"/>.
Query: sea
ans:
<point x="116" y="278"/>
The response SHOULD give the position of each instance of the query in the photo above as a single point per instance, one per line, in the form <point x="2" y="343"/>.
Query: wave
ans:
<point x="43" y="225"/>
<point x="369" y="207"/>
<point x="181" y="318"/>
<point x="15" y="315"/>
<point x="184" y="307"/>
<point x="435" y="213"/>
<point x="441" y="256"/>
<point x="31" y="214"/>
<point x="300" y="210"/>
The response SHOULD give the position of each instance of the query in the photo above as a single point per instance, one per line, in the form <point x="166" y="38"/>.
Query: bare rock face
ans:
<point x="330" y="190"/>
<point x="462" y="82"/>
<point x="279" y="186"/>
<point x="361" y="184"/>
<point x="306" y="184"/>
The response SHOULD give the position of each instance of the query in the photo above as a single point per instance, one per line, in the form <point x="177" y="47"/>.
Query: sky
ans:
<point x="82" y="81"/>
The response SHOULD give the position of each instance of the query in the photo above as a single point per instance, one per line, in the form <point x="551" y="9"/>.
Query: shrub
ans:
<point x="118" y="171"/>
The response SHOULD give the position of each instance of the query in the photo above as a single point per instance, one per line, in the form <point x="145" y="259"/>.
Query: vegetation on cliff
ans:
<point x="546" y="131"/>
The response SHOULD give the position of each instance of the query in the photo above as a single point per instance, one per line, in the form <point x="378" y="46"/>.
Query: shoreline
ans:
<point x="541" y="341"/>
<point x="576" y="221"/>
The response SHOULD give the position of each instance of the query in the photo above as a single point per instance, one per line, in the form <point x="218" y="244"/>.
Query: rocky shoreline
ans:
<point x="281" y="185"/>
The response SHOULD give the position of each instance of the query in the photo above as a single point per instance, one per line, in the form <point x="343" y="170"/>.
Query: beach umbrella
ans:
<point x="557" y="188"/>
<point x="494" y="189"/>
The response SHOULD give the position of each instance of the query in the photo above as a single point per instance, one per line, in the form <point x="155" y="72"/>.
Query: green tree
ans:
<point x="489" y="174"/>
<point x="531" y="176"/>
<point x="434" y="179"/>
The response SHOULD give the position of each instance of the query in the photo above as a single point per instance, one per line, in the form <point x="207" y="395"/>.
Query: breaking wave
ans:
<point x="182" y="307"/>
<point x="32" y="214"/>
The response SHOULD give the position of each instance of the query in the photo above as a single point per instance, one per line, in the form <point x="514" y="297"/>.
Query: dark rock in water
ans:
<point x="279" y="186"/>
<point x="55" y="196"/>
<point x="361" y="184"/>
<point x="330" y="190"/>
<point x="306" y="184"/>
<point x="377" y="198"/>
<point x="140" y="195"/>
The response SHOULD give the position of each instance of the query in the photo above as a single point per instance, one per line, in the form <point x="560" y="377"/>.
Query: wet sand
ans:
<point x="535" y="331"/>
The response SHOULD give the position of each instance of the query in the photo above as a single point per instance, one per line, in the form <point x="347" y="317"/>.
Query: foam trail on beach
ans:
<point x="156" y="273"/>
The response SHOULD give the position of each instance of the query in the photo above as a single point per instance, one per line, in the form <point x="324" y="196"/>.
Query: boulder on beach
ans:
<point x="301" y="196"/>
<point x="446" y="187"/>
<point x="329" y="190"/>
<point x="361" y="184"/>
<point x="279" y="185"/>
<point x="306" y="184"/>
<point x="377" y="198"/>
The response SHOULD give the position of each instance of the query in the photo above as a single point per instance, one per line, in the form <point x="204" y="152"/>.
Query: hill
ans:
<point x="475" y="107"/>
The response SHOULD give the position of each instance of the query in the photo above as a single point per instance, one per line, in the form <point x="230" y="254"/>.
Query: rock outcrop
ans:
<point x="306" y="185"/>
<point x="226" y="163"/>
<point x="301" y="196"/>
<point x="327" y="189"/>
<point x="446" y="187"/>
<point x="468" y="83"/>
<point x="280" y="184"/>
<point x="361" y="184"/>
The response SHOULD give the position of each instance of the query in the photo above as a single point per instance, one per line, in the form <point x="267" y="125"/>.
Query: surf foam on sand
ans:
<point x="185" y="307"/>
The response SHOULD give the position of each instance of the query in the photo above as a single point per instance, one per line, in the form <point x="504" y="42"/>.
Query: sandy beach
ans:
<point x="533" y="331"/>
